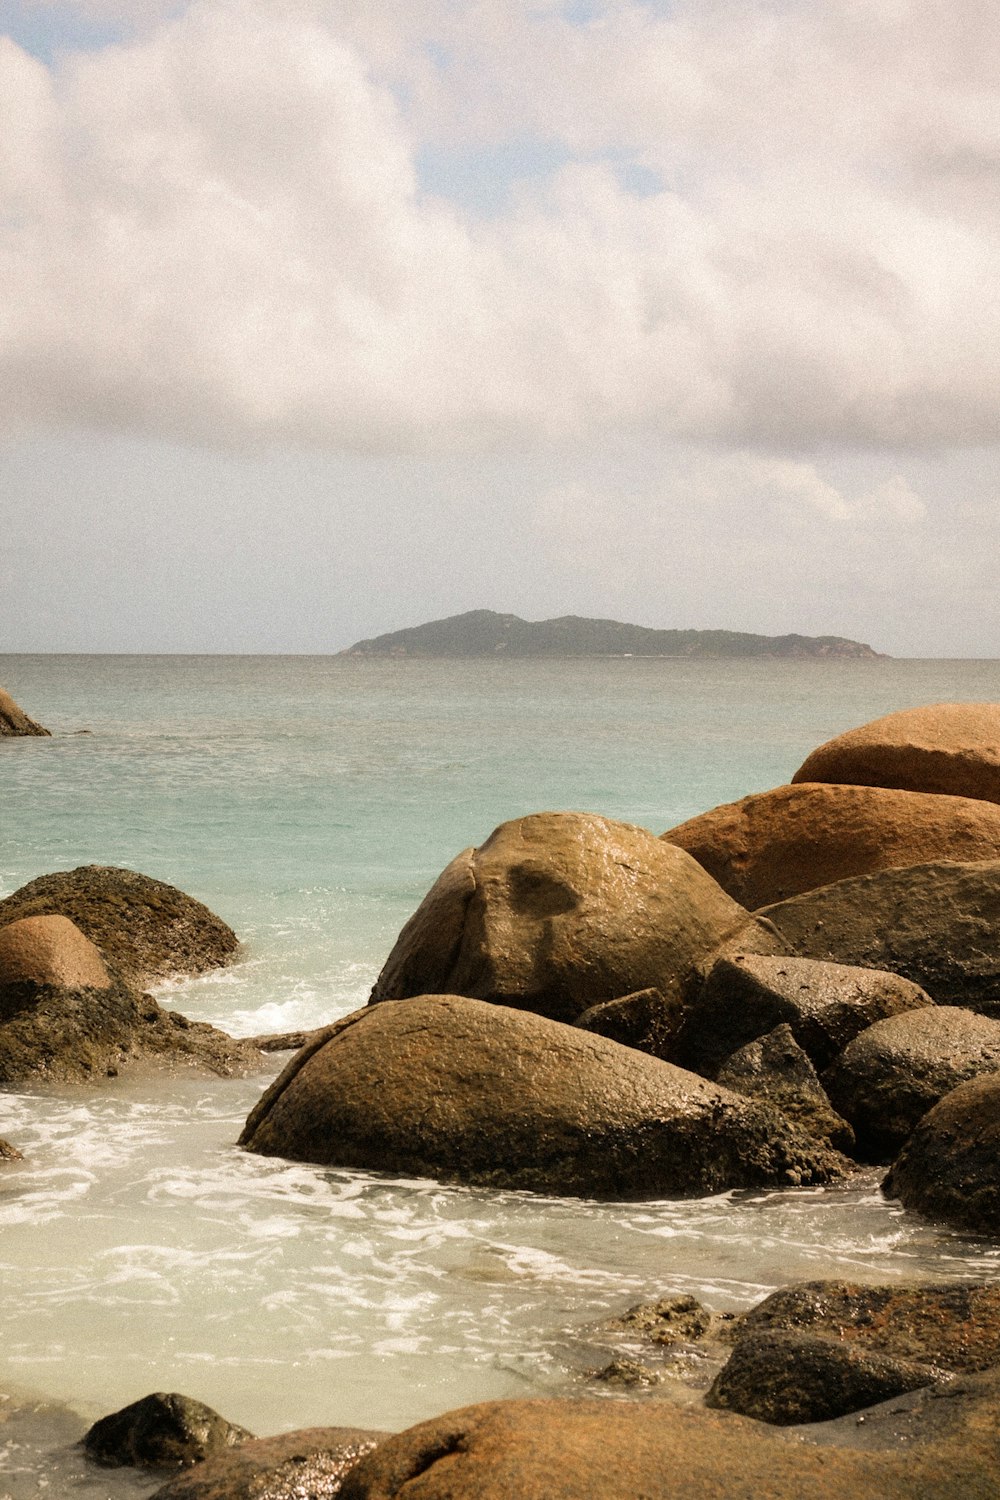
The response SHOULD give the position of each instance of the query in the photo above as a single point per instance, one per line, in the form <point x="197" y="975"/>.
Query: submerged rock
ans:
<point x="777" y="844"/>
<point x="558" y="912"/>
<point x="311" y="1464"/>
<point x="161" y="1430"/>
<point x="949" y="1169"/>
<point x="951" y="748"/>
<point x="456" y="1089"/>
<point x="14" y="721"/>
<point x="145" y="930"/>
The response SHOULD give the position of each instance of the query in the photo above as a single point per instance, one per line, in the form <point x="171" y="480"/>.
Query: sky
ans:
<point x="321" y="318"/>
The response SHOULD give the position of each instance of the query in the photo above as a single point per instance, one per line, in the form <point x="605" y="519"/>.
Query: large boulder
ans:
<point x="825" y="1005"/>
<point x="146" y="930"/>
<point x="310" y="1464"/>
<point x="14" y="721"/>
<point x="949" y="1169"/>
<point x="952" y="748"/>
<point x="934" y="1444"/>
<point x="557" y="912"/>
<point x="452" y="1088"/>
<point x="936" y="924"/>
<point x="165" y="1430"/>
<point x="892" y="1074"/>
<point x="776" y="844"/>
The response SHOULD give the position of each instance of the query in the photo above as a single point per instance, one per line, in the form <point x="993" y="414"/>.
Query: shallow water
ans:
<point x="310" y="801"/>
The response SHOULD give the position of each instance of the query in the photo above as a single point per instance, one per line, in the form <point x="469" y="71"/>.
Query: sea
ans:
<point x="311" y="801"/>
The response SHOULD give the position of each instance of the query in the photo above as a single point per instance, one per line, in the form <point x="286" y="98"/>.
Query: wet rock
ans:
<point x="311" y="1464"/>
<point x="777" y="844"/>
<point x="9" y="1152"/>
<point x="952" y="748"/>
<point x="775" y="1070"/>
<point x="161" y="1430"/>
<point x="479" y="1093"/>
<point x="937" y="924"/>
<point x="949" y="1169"/>
<point x="558" y="912"/>
<point x="145" y="930"/>
<point x="785" y="1378"/>
<point x="678" y="1319"/>
<point x="644" y="1020"/>
<point x="825" y="1005"/>
<point x="627" y="1373"/>
<point x="14" y="721"/>
<point x="892" y="1073"/>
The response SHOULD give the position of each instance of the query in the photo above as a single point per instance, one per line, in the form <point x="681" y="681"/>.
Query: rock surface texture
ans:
<point x="14" y="721"/>
<point x="49" y="951"/>
<point x="165" y="1429"/>
<point x="644" y="1020"/>
<point x="937" y="924"/>
<point x="460" y="1090"/>
<point x="777" y="844"/>
<point x="949" y="1169"/>
<point x="311" y="1464"/>
<point x="145" y="930"/>
<point x="775" y="1070"/>
<point x="951" y="748"/>
<point x="558" y="912"/>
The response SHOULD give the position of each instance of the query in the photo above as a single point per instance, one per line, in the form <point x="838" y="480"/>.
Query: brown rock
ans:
<point x="952" y="748"/>
<point x="49" y="950"/>
<point x="949" y="1169"/>
<point x="161" y="1430"/>
<point x="891" y="1074"/>
<point x="644" y="1020"/>
<point x="678" y="1319"/>
<point x="456" y="1089"/>
<point x="937" y="924"/>
<point x="9" y="1152"/>
<point x="311" y="1464"/>
<point x="561" y="911"/>
<point x="775" y="1070"/>
<point x="14" y="721"/>
<point x="777" y="844"/>
<point x="145" y="930"/>
<point x="826" y="1005"/>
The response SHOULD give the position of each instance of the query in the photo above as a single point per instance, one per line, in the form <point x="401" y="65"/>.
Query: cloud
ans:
<point x="217" y="230"/>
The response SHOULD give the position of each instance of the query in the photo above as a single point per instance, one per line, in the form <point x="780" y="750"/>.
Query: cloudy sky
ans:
<point x="323" y="317"/>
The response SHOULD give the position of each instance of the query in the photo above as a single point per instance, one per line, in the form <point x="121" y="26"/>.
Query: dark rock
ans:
<point x="891" y="1075"/>
<point x="311" y="1464"/>
<point x="165" y="1430"/>
<point x="935" y="1444"/>
<point x="826" y="1005"/>
<point x="145" y="930"/>
<point x="949" y="1169"/>
<point x="627" y="1373"/>
<point x="282" y="1041"/>
<point x="938" y="925"/>
<point x="14" y="721"/>
<point x="787" y="1377"/>
<point x="949" y="747"/>
<point x="775" y="1070"/>
<point x="678" y="1319"/>
<point x="644" y="1020"/>
<point x="777" y="844"/>
<point x="478" y="1093"/>
<point x="9" y="1152"/>
<point x="562" y="911"/>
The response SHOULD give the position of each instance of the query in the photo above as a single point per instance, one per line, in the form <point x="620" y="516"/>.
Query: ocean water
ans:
<point x="311" y="801"/>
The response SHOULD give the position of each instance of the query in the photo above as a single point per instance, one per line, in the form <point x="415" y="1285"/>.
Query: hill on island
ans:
<point x="483" y="632"/>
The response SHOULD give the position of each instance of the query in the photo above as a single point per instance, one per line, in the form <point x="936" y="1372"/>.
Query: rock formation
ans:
<point x="14" y="721"/>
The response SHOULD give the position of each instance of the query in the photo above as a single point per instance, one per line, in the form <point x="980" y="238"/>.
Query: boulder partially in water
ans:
<point x="145" y="929"/>
<point x="936" y="924"/>
<point x="163" y="1430"/>
<point x="14" y="721"/>
<point x="949" y="1168"/>
<point x="777" y="844"/>
<point x="951" y="748"/>
<point x="452" y="1088"/>
<point x="558" y="912"/>
<point x="310" y="1464"/>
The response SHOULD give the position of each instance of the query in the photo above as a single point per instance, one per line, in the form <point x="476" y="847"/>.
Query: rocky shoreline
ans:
<point x="768" y="995"/>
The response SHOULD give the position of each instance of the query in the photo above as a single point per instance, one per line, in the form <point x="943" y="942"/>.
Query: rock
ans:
<point x="627" y="1373"/>
<point x="161" y="1430"/>
<point x="786" y="1377"/>
<point x="49" y="951"/>
<point x="558" y="912"/>
<point x="952" y="748"/>
<point x="947" y="1326"/>
<point x="679" y="1319"/>
<point x="825" y="1005"/>
<point x="311" y="1464"/>
<point x="644" y="1020"/>
<point x="777" y="1071"/>
<point x="14" y="721"/>
<point x="891" y="1074"/>
<point x="9" y="1152"/>
<point x="938" y="925"/>
<point x="949" y="1169"/>
<point x="779" y="843"/>
<point x="452" y="1088"/>
<point x="145" y="930"/>
<point x="934" y="1444"/>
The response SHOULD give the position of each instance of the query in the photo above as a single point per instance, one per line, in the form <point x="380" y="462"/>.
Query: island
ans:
<point x="484" y="632"/>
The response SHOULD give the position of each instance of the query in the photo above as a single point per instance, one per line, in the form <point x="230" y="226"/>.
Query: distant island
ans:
<point x="484" y="632"/>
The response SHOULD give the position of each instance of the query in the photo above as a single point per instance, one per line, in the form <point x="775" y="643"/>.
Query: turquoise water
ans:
<point x="310" y="801"/>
